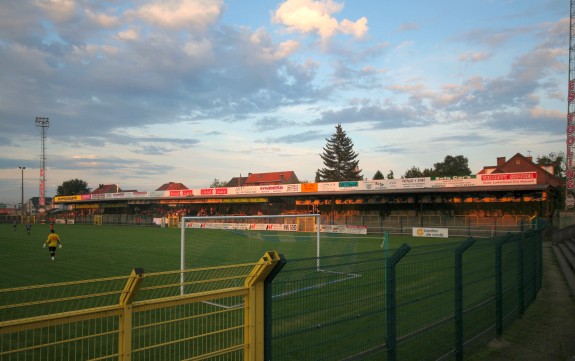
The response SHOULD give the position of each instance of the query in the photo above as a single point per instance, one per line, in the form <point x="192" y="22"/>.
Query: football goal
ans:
<point x="219" y="240"/>
<point x="216" y="240"/>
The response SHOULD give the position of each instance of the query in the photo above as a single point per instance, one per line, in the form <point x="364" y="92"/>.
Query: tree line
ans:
<point x="341" y="163"/>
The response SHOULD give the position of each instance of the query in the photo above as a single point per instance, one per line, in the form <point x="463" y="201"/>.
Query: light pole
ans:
<point x="22" y="206"/>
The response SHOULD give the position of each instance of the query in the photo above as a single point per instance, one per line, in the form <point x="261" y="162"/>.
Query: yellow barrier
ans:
<point x="140" y="317"/>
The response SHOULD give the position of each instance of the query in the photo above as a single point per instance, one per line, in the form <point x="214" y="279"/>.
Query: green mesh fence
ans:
<point x="431" y="303"/>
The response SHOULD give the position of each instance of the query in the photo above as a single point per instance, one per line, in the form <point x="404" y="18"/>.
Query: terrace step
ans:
<point x="565" y="266"/>
<point x="571" y="245"/>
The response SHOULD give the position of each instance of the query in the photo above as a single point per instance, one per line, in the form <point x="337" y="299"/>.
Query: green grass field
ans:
<point x="105" y="251"/>
<point x="341" y="308"/>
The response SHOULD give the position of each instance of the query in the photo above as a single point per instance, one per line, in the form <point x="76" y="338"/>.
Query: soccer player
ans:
<point x="53" y="241"/>
<point x="28" y="227"/>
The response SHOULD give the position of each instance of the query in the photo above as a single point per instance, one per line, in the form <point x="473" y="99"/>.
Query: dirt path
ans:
<point x="547" y="330"/>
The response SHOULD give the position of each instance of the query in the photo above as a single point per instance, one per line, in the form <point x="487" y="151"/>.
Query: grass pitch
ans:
<point x="105" y="251"/>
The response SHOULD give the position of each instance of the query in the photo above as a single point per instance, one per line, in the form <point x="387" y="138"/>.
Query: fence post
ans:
<point x="268" y="307"/>
<point x="459" y="297"/>
<point x="391" y="311"/>
<point x="499" y="284"/>
<point x="125" y="324"/>
<point x="538" y="244"/>
<point x="521" y="276"/>
<point x="254" y="306"/>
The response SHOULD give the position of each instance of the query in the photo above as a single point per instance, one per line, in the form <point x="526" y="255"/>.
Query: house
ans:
<point x="106" y="188"/>
<point x="33" y="204"/>
<point x="272" y="178"/>
<point x="237" y="182"/>
<point x="519" y="163"/>
<point x="171" y="186"/>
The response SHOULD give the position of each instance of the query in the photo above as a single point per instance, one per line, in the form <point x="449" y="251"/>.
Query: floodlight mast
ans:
<point x="42" y="124"/>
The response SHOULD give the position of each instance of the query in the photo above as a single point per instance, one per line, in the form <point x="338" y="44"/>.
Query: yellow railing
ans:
<point x="209" y="313"/>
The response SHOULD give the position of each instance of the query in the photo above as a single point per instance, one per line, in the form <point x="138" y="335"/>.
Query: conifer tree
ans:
<point x="378" y="175"/>
<point x="339" y="158"/>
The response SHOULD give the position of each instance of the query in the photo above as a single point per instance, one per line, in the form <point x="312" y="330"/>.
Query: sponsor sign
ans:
<point x="182" y="193"/>
<point x="508" y="178"/>
<point x="377" y="185"/>
<point x="343" y="229"/>
<point x="327" y="187"/>
<point x="308" y="187"/>
<point x="292" y="188"/>
<point x="410" y="183"/>
<point x="430" y="232"/>
<point x="350" y="186"/>
<point x="244" y="226"/>
<point x="271" y="189"/>
<point x="456" y="181"/>
<point x="156" y="194"/>
<point x="67" y="198"/>
<point x="246" y="190"/>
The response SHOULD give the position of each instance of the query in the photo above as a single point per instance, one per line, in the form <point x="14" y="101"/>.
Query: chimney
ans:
<point x="529" y="158"/>
<point x="500" y="161"/>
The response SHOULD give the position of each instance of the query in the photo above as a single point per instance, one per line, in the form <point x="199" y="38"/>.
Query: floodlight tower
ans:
<point x="570" y="171"/>
<point x="42" y="124"/>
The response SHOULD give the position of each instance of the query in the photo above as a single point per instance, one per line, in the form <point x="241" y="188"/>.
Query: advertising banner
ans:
<point x="456" y="181"/>
<point x="410" y="183"/>
<point x="430" y="232"/>
<point x="507" y="179"/>
<point x="308" y="187"/>
<point x="350" y="186"/>
<point x="67" y="198"/>
<point x="327" y="187"/>
<point x="182" y="193"/>
<point x="380" y="184"/>
<point x="271" y="189"/>
<point x="246" y="190"/>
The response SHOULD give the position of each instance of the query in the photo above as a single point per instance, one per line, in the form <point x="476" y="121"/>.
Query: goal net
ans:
<point x="217" y="240"/>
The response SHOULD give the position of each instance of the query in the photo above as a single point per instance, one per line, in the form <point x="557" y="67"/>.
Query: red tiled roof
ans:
<point x="106" y="188"/>
<point x="172" y="186"/>
<point x="271" y="178"/>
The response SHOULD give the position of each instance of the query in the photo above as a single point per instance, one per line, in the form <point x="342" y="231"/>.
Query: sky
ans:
<point x="141" y="93"/>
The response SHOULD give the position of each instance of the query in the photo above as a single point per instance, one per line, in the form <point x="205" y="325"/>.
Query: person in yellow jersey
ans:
<point x="53" y="241"/>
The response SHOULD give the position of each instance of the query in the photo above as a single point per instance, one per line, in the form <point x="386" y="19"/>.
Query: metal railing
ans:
<point x="197" y="314"/>
<point x="411" y="303"/>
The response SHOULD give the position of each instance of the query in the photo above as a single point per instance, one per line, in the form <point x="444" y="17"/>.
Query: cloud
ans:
<point x="315" y="17"/>
<point x="273" y="123"/>
<point x="474" y="57"/>
<point x="408" y="27"/>
<point x="59" y="10"/>
<point x="176" y="14"/>
<point x="294" y="138"/>
<point x="380" y="117"/>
